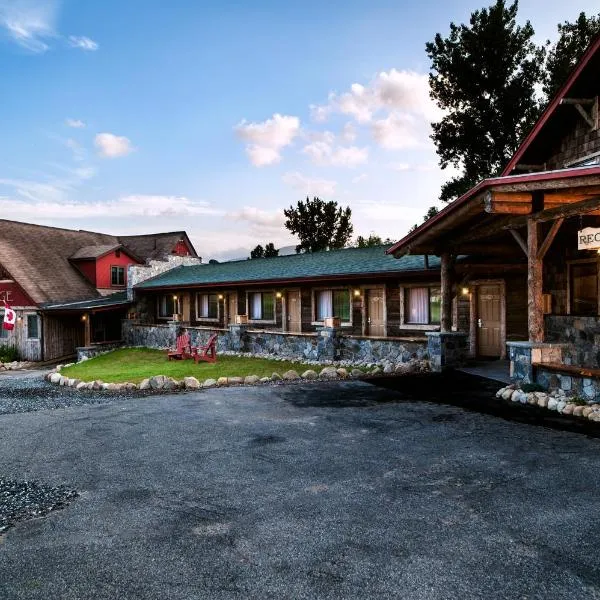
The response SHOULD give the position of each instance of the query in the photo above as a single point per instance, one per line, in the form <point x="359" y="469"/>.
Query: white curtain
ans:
<point x="418" y="305"/>
<point x="255" y="306"/>
<point x="204" y="305"/>
<point x="324" y="305"/>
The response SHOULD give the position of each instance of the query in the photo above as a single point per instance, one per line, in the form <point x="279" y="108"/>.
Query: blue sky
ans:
<point x="129" y="117"/>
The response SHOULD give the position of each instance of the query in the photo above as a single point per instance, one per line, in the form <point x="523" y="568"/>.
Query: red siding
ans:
<point x="13" y="294"/>
<point x="88" y="268"/>
<point x="104" y="264"/>
<point x="182" y="249"/>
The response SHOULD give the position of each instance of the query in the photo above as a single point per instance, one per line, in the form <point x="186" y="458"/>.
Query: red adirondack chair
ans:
<point x="183" y="348"/>
<point x="207" y="353"/>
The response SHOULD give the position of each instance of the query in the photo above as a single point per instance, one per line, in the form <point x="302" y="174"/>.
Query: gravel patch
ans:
<point x="21" y="500"/>
<point x="26" y="394"/>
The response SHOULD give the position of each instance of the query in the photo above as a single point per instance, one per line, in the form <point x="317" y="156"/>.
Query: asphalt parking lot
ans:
<point x="333" y="490"/>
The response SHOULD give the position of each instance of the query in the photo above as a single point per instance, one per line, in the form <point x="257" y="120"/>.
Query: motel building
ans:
<point x="535" y="231"/>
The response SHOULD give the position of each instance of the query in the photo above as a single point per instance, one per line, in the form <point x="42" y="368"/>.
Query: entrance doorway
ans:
<point x="294" y="312"/>
<point x="375" y="305"/>
<point x="490" y="320"/>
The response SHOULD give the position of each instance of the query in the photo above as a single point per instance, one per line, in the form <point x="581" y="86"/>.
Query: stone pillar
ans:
<point x="329" y="346"/>
<point x="239" y="338"/>
<point x="446" y="291"/>
<point x="447" y="349"/>
<point x="522" y="355"/>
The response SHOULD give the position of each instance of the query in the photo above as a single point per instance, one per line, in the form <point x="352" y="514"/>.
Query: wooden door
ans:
<point x="232" y="307"/>
<point x="375" y="312"/>
<point x="489" y="320"/>
<point x="294" y="312"/>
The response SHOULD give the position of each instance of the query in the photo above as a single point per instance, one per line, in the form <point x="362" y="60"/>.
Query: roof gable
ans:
<point x="583" y="82"/>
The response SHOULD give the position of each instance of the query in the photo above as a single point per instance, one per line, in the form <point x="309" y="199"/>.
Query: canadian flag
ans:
<point x="10" y="316"/>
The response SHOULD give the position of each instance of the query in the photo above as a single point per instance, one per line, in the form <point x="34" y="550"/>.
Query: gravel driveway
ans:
<point x="337" y="490"/>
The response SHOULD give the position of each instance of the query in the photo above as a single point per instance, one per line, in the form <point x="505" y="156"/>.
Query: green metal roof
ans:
<point x="335" y="263"/>
<point x="116" y="299"/>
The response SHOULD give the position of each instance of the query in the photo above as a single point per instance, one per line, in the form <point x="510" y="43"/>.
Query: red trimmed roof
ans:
<point x="593" y="48"/>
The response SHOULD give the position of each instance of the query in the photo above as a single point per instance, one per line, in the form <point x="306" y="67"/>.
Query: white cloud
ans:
<point x="325" y="154"/>
<point x="265" y="140"/>
<point x="256" y="216"/>
<point x="309" y="186"/>
<point x="127" y="206"/>
<point x="112" y="146"/>
<point x="83" y="43"/>
<point x="396" y="132"/>
<point x="360" y="178"/>
<point x="75" y="123"/>
<point x="395" y="90"/>
<point x="348" y="134"/>
<point x="30" y="23"/>
<point x="79" y="152"/>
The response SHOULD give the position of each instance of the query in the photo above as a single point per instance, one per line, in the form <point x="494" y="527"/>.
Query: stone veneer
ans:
<point x="328" y="344"/>
<point x="522" y="355"/>
<point x="581" y="333"/>
<point x="85" y="352"/>
<point x="447" y="349"/>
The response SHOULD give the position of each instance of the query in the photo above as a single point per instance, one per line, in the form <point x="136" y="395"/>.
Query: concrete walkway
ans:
<point x="498" y="370"/>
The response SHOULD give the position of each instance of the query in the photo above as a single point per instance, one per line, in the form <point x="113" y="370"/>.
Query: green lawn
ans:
<point x="136" y="364"/>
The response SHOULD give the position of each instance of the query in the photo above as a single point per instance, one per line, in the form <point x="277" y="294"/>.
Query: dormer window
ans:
<point x="117" y="276"/>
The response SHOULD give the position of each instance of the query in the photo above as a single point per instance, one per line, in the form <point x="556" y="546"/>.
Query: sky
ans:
<point x="212" y="117"/>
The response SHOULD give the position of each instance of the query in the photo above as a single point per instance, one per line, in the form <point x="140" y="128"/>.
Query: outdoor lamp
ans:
<point x="84" y="317"/>
<point x="465" y="291"/>
<point x="357" y="293"/>
<point x="220" y="296"/>
<point x="278" y="295"/>
<point x="175" y="298"/>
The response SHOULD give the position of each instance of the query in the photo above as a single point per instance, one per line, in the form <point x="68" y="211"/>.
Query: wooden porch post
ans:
<point x="87" y="330"/>
<point x="446" y="292"/>
<point x="535" y="313"/>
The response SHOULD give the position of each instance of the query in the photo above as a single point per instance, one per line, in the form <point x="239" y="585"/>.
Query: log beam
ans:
<point x="516" y="203"/>
<point x="446" y="291"/>
<point x="535" y="310"/>
<point x="519" y="240"/>
<point x="549" y="238"/>
<point x="569" y="210"/>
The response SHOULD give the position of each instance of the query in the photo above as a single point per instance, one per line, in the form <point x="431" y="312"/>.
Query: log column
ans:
<point x="87" y="330"/>
<point x="446" y="292"/>
<point x="535" y="313"/>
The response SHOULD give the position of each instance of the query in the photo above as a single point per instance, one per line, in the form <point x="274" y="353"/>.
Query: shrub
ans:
<point x="8" y="354"/>
<point x="533" y="387"/>
<point x="578" y="400"/>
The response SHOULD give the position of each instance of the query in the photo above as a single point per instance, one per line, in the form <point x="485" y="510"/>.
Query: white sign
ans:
<point x="588" y="238"/>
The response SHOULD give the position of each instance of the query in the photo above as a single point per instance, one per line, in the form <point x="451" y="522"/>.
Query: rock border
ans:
<point x="556" y="400"/>
<point x="159" y="383"/>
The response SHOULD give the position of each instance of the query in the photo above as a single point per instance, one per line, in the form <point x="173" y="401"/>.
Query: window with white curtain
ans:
<point x="333" y="303"/>
<point x="168" y="305"/>
<point x="422" y="305"/>
<point x="208" y="306"/>
<point x="261" y="306"/>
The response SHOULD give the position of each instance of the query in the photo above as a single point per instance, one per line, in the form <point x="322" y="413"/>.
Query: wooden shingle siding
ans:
<point x="576" y="145"/>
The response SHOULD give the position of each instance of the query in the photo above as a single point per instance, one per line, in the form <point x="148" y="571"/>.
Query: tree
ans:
<point x="271" y="251"/>
<point x="319" y="225"/>
<point x="431" y="212"/>
<point x="372" y="240"/>
<point x="483" y="77"/>
<point x="563" y="55"/>
<point x="258" y="252"/>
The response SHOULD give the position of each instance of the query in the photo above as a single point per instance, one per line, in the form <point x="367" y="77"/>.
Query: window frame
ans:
<point x="272" y="321"/>
<point x="177" y="307"/>
<point x="200" y="317"/>
<point x="5" y="334"/>
<point x="123" y="269"/>
<point x="580" y="261"/>
<point x="314" y="302"/>
<point x="404" y="324"/>
<point x="37" y="319"/>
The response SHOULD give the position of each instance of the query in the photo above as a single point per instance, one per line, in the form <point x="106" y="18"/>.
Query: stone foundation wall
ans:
<point x="581" y="333"/>
<point x="326" y="345"/>
<point x="85" y="352"/>
<point x="584" y="387"/>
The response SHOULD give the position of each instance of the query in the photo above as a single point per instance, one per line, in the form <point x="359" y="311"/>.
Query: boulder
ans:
<point x="560" y="407"/>
<point x="343" y="373"/>
<point x="145" y="384"/>
<point x="157" y="382"/>
<point x="235" y="380"/>
<point x="587" y="411"/>
<point x="265" y="379"/>
<point x="507" y="393"/>
<point x="356" y="373"/>
<point x="515" y="396"/>
<point x="310" y="374"/>
<point x="376" y="371"/>
<point x="276" y="377"/>
<point x="290" y="375"/>
<point x="578" y="411"/>
<point x="191" y="383"/>
<point x="251" y="379"/>
<point x="82" y="385"/>
<point x="531" y="399"/>
<point x="105" y="386"/>
<point x="55" y="378"/>
<point x="388" y="369"/>
<point x="97" y="385"/>
<point x="328" y="373"/>
<point x="208" y="383"/>
<point x="542" y="401"/>
<point x="498" y="393"/>
<point x="222" y="381"/>
<point x="129" y="386"/>
<point x="568" y="409"/>
<point x="112" y="387"/>
<point x="552" y="403"/>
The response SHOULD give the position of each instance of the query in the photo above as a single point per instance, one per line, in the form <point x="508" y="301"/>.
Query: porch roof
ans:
<point x="498" y="200"/>
<point x="116" y="300"/>
<point x="346" y="263"/>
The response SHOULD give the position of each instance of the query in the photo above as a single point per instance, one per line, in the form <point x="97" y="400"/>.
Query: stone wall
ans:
<point x="85" y="352"/>
<point x="581" y="333"/>
<point x="447" y="350"/>
<point x="584" y="387"/>
<point x="325" y="345"/>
